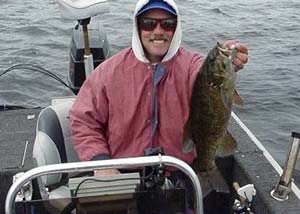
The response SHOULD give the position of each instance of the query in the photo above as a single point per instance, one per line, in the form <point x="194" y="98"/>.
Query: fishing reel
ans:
<point x="154" y="176"/>
<point x="243" y="204"/>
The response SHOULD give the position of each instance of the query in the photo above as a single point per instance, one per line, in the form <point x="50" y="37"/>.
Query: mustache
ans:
<point x="158" y="37"/>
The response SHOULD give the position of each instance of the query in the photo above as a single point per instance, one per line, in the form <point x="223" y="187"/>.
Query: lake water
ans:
<point x="32" y="31"/>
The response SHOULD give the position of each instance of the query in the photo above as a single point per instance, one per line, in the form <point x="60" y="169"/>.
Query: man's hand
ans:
<point x="104" y="172"/>
<point x="242" y="56"/>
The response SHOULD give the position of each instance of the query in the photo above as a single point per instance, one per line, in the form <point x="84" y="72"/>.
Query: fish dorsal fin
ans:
<point x="237" y="100"/>
<point x="227" y="146"/>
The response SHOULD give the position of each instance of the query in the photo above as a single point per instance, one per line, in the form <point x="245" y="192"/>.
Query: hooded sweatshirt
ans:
<point x="114" y="113"/>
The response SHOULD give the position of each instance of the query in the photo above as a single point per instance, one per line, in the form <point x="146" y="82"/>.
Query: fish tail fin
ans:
<point x="213" y="180"/>
<point x="227" y="146"/>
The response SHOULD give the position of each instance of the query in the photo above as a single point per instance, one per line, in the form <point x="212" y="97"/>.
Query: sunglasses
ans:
<point x="149" y="24"/>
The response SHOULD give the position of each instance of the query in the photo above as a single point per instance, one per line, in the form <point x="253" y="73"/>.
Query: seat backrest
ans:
<point x="53" y="144"/>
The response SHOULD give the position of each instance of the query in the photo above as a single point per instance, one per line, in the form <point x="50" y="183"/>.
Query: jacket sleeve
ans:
<point x="89" y="119"/>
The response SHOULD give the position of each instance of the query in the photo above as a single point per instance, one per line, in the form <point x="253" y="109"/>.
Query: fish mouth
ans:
<point x="225" y="52"/>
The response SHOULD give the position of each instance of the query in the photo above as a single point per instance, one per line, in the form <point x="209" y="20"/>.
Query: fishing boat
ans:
<point x="41" y="173"/>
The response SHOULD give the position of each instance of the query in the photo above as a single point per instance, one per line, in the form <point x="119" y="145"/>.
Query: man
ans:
<point x="139" y="98"/>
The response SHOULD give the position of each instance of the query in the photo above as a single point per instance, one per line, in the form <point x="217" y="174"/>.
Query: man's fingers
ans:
<point x="242" y="57"/>
<point x="230" y="44"/>
<point x="240" y="63"/>
<point x="241" y="48"/>
<point x="242" y="53"/>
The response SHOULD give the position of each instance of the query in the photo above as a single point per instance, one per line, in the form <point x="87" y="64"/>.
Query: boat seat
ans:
<point x="53" y="145"/>
<point x="82" y="9"/>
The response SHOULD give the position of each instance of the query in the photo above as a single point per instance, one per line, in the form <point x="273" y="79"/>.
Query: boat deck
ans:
<point x="251" y="166"/>
<point x="248" y="164"/>
<point x="16" y="128"/>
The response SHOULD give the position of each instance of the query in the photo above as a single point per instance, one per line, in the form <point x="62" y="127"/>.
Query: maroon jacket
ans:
<point x="112" y="112"/>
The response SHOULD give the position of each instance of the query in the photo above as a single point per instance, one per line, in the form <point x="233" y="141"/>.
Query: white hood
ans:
<point x="136" y="42"/>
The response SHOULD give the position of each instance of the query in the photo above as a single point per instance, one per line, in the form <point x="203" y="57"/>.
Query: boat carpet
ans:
<point x="17" y="127"/>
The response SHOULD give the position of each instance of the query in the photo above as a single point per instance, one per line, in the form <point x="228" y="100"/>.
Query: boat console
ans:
<point x="64" y="183"/>
<point x="135" y="197"/>
<point x="167" y="201"/>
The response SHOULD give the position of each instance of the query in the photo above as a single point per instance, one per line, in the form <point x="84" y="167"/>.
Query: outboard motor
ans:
<point x="99" y="47"/>
<point x="88" y="48"/>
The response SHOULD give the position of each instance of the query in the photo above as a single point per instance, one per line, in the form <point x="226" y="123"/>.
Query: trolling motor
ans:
<point x="283" y="187"/>
<point x="88" y="47"/>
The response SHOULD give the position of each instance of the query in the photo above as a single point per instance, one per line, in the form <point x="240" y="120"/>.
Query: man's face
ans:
<point x="156" y="41"/>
